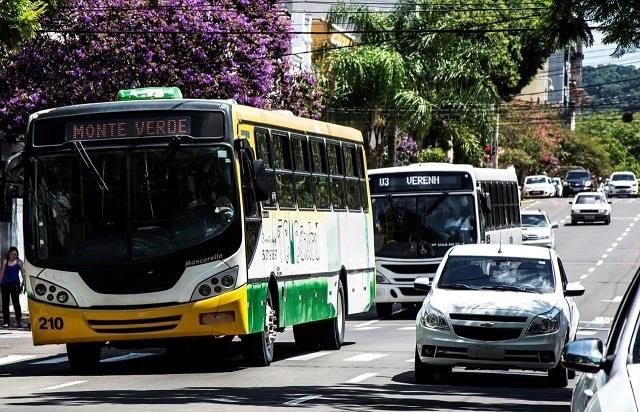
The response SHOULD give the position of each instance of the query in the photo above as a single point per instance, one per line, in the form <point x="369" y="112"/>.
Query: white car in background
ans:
<point x="538" y="186"/>
<point x="590" y="207"/>
<point x="496" y="307"/>
<point x="622" y="184"/>
<point x="537" y="229"/>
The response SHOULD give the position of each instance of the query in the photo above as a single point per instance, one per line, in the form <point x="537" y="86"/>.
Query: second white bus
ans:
<point x="422" y="210"/>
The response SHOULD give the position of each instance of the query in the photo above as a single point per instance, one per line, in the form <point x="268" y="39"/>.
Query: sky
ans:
<point x="600" y="54"/>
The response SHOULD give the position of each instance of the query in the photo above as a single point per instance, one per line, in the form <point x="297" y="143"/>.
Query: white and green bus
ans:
<point x="154" y="219"/>
<point x="422" y="210"/>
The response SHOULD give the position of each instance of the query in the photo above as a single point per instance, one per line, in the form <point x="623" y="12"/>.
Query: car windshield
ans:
<point x="535" y="179"/>
<point x="624" y="176"/>
<point x="590" y="199"/>
<point x="132" y="204"/>
<point x="577" y="175"/>
<point x="534" y="221"/>
<point x="497" y="273"/>
<point x="422" y="226"/>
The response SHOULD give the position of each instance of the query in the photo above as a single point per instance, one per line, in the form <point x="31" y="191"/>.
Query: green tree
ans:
<point x="19" y="20"/>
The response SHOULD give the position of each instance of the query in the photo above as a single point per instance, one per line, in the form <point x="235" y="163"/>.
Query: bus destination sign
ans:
<point x="128" y="127"/>
<point x="420" y="182"/>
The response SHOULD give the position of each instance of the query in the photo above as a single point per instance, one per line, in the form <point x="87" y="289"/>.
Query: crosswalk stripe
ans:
<point x="309" y="356"/>
<point x="5" y="360"/>
<point x="362" y="377"/>
<point x="365" y="357"/>
<point x="586" y="332"/>
<point x="366" y="328"/>
<point x="64" y="385"/>
<point x="408" y="328"/>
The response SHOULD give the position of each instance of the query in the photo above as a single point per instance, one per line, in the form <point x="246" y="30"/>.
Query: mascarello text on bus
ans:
<point x="151" y="220"/>
<point x="422" y="210"/>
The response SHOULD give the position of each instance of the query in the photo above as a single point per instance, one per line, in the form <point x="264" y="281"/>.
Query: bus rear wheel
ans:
<point x="332" y="330"/>
<point x="84" y="357"/>
<point x="384" y="309"/>
<point x="259" y="347"/>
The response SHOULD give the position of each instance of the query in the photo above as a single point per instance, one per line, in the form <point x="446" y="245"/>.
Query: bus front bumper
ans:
<point x="398" y="292"/>
<point x="225" y="314"/>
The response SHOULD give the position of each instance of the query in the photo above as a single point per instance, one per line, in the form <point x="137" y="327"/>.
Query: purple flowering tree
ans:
<point x="210" y="49"/>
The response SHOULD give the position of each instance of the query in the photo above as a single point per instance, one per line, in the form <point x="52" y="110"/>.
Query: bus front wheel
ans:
<point x="384" y="309"/>
<point x="259" y="347"/>
<point x="84" y="357"/>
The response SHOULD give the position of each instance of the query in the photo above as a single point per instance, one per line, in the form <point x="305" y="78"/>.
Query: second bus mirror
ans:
<point x="485" y="201"/>
<point x="260" y="182"/>
<point x="11" y="186"/>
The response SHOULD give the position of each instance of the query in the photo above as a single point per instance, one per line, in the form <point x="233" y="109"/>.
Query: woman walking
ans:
<point x="11" y="287"/>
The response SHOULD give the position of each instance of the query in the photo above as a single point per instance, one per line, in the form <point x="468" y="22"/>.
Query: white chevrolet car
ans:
<point x="538" y="186"/>
<point x="590" y="207"/>
<point x="621" y="184"/>
<point x="496" y="307"/>
<point x="537" y="229"/>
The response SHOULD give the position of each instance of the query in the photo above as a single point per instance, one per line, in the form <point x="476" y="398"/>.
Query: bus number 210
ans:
<point x="51" y="323"/>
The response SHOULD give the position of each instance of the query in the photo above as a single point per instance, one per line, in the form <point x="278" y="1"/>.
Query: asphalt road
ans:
<point x="373" y="371"/>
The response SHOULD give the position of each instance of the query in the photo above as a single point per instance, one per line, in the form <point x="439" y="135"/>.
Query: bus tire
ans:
<point x="305" y="336"/>
<point x="332" y="330"/>
<point x="258" y="347"/>
<point x="84" y="357"/>
<point x="384" y="309"/>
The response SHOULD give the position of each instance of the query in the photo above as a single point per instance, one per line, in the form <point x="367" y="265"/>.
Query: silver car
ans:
<point x="611" y="373"/>
<point x="537" y="229"/>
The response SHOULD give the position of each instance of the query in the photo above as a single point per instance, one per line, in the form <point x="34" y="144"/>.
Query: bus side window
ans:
<point x="283" y="164"/>
<point x="362" y="180"/>
<point x="264" y="152"/>
<point x="320" y="178"/>
<point x="351" y="178"/>
<point x="516" y="203"/>
<point x="336" y="175"/>
<point x="488" y="216"/>
<point x="302" y="174"/>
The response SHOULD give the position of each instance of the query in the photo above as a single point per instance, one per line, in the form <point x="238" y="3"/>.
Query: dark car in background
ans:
<point x="576" y="181"/>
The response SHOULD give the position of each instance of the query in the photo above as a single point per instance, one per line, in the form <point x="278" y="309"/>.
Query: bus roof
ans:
<point x="423" y="167"/>
<point x="249" y="114"/>
<point x="488" y="174"/>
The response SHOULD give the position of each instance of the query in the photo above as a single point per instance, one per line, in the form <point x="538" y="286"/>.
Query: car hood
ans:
<point x="581" y="180"/>
<point x="536" y="185"/>
<point x="621" y="183"/>
<point x="489" y="302"/>
<point x="590" y="206"/>
<point x="540" y="231"/>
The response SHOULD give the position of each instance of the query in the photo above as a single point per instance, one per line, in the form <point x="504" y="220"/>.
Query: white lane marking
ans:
<point x="5" y="360"/>
<point x="605" y="256"/>
<point x="604" y="320"/>
<point x="310" y="356"/>
<point x="367" y="323"/>
<point x="625" y="234"/>
<point x="362" y="377"/>
<point x="366" y="328"/>
<point x="591" y="270"/>
<point x="600" y="262"/>
<point x="300" y="400"/>
<point x="365" y="357"/>
<point x="584" y="277"/>
<point x="127" y="357"/>
<point x="619" y="239"/>
<point x="617" y="299"/>
<point x="636" y="219"/>
<point x="410" y="360"/>
<point x="627" y="229"/>
<point x="567" y="217"/>
<point x="632" y="224"/>
<point x="407" y="328"/>
<point x="609" y="250"/>
<point x="614" y="244"/>
<point x="51" y="361"/>
<point x="586" y="332"/>
<point x="64" y="385"/>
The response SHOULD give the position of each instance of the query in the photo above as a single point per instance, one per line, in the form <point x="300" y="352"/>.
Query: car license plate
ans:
<point x="589" y="217"/>
<point x="486" y="352"/>
<point x="536" y="192"/>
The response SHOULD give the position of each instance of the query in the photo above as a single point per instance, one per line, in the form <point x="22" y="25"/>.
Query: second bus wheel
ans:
<point x="259" y="347"/>
<point x="84" y="357"/>
<point x="331" y="331"/>
<point x="384" y="309"/>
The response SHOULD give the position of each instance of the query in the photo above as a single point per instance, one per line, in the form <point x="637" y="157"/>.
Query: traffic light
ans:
<point x="489" y="150"/>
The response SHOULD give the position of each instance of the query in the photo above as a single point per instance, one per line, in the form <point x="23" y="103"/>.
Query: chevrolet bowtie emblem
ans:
<point x="487" y="324"/>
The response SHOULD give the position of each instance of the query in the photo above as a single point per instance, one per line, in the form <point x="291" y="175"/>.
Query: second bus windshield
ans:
<point x="422" y="226"/>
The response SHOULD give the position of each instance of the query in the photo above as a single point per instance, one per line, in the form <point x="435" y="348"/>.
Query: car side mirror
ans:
<point x="422" y="284"/>
<point x="609" y="201"/>
<point x="574" y="289"/>
<point x="554" y="226"/>
<point x="583" y="355"/>
<point x="570" y="202"/>
<point x="260" y="181"/>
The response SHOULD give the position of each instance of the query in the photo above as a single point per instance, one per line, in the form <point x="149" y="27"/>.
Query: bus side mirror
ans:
<point x="11" y="186"/>
<point x="260" y="181"/>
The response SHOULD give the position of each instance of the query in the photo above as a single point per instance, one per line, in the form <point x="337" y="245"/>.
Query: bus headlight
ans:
<point x="50" y="292"/>
<point x="380" y="278"/>
<point x="219" y="283"/>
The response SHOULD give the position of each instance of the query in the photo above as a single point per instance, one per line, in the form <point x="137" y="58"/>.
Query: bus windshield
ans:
<point x="422" y="226"/>
<point x="141" y="203"/>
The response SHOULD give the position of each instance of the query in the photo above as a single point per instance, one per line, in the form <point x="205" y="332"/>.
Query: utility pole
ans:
<point x="495" y="137"/>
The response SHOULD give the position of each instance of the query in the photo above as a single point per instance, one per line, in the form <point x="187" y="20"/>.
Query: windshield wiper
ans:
<point x="437" y="203"/>
<point x="456" y="286"/>
<point x="507" y="287"/>
<point x="89" y="165"/>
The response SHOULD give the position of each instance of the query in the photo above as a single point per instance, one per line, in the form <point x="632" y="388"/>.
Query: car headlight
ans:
<point x="380" y="278"/>
<point x="544" y="237"/>
<point x="634" y="184"/>
<point x="574" y="211"/>
<point x="603" y="211"/>
<point x="219" y="283"/>
<point x="50" y="292"/>
<point x="433" y="319"/>
<point x="546" y="323"/>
